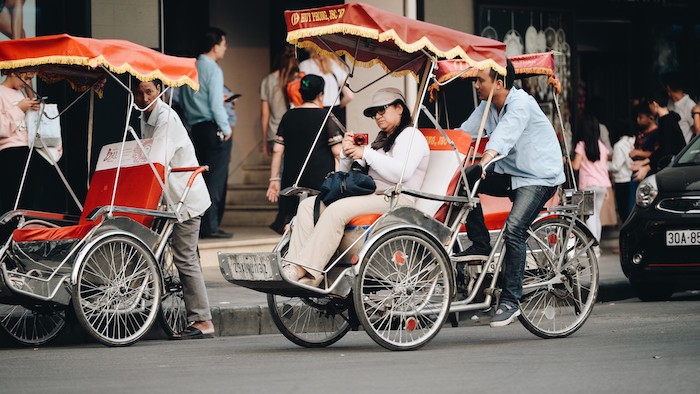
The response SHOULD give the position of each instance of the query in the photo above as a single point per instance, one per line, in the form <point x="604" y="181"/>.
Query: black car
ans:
<point x="660" y="241"/>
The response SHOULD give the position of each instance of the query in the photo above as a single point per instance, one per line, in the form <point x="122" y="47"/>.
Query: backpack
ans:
<point x="293" y="95"/>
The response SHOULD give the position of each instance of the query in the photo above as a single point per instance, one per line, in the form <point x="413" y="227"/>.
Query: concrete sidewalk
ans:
<point x="240" y="311"/>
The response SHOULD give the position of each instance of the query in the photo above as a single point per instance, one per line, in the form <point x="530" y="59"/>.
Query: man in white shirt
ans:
<point x="680" y="103"/>
<point x="163" y="125"/>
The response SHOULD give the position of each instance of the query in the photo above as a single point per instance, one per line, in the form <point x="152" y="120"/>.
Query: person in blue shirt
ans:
<point x="529" y="175"/>
<point x="210" y="130"/>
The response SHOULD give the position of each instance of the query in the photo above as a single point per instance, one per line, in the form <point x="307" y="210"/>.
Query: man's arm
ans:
<point x="216" y="101"/>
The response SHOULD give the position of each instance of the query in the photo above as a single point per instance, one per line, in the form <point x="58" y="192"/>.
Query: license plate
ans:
<point x="249" y="266"/>
<point x="683" y="238"/>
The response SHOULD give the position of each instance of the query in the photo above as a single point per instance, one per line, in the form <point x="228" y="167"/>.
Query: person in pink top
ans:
<point x="590" y="160"/>
<point x="14" y="141"/>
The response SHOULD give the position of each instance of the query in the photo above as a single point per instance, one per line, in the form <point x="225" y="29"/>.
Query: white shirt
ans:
<point x="386" y="167"/>
<point x="165" y="127"/>
<point x="621" y="164"/>
<point x="683" y="107"/>
<point x="330" y="90"/>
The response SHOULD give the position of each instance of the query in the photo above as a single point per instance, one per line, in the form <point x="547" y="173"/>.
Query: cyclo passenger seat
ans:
<point x="137" y="187"/>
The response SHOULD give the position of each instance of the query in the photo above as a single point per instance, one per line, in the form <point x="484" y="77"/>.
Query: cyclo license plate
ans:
<point x="683" y="238"/>
<point x="251" y="266"/>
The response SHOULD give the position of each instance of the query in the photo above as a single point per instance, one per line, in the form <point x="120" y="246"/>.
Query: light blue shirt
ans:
<point x="207" y="104"/>
<point x="525" y="134"/>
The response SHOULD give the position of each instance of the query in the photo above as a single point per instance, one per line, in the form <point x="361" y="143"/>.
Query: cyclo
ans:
<point x="393" y="274"/>
<point x="112" y="265"/>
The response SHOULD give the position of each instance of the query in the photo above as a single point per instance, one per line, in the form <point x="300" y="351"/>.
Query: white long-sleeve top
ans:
<point x="166" y="128"/>
<point x="621" y="164"/>
<point x="386" y="167"/>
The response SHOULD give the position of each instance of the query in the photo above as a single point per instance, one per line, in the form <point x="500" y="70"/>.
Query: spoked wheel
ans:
<point x="172" y="316"/>
<point x="561" y="279"/>
<point x="32" y="327"/>
<point x="402" y="292"/>
<point x="310" y="321"/>
<point x="117" y="292"/>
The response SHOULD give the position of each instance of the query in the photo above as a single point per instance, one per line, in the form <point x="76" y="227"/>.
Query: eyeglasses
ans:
<point x="379" y="110"/>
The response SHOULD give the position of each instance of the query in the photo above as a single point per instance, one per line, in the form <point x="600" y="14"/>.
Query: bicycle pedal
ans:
<point x="492" y="291"/>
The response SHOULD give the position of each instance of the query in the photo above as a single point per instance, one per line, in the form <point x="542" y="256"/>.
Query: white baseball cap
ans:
<point x="382" y="97"/>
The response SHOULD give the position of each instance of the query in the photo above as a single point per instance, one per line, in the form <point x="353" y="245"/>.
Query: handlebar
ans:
<point x="474" y="189"/>
<point x="195" y="171"/>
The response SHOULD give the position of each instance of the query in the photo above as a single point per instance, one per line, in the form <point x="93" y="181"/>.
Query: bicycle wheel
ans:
<point x="310" y="322"/>
<point x="403" y="290"/>
<point x="173" y="315"/>
<point x="561" y="279"/>
<point x="117" y="292"/>
<point x="32" y="327"/>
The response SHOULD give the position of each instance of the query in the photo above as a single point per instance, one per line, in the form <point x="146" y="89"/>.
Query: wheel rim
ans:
<point x="172" y="307"/>
<point x="117" y="291"/>
<point x="557" y="301"/>
<point x="403" y="291"/>
<point x="310" y="321"/>
<point x="29" y="326"/>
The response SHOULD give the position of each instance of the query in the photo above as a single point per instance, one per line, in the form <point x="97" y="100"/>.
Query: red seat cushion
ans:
<point x="49" y="234"/>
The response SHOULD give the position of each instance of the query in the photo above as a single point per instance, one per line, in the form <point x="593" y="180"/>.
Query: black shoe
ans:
<point x="219" y="234"/>
<point x="474" y="252"/>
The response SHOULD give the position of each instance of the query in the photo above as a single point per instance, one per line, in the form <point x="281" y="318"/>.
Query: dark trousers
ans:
<point x="622" y="199"/>
<point x="12" y="162"/>
<point x="527" y="203"/>
<point x="216" y="154"/>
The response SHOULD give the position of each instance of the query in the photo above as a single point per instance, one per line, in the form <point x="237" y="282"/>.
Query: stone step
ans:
<point x="249" y="215"/>
<point x="246" y="194"/>
<point x="256" y="174"/>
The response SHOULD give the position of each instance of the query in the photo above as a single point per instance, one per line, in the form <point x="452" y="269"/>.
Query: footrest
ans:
<point x="260" y="272"/>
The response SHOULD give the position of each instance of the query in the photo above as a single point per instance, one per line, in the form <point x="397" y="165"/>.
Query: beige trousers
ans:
<point x="313" y="246"/>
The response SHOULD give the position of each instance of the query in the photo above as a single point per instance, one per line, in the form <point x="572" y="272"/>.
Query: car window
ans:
<point x="691" y="155"/>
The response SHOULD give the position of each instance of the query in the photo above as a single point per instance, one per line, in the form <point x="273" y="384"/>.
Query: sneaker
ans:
<point x="474" y="252"/>
<point x="505" y="314"/>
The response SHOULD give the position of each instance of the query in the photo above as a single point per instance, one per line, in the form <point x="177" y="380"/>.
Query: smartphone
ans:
<point x="235" y="96"/>
<point x="361" y="139"/>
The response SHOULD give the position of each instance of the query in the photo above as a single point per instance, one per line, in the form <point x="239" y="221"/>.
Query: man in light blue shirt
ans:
<point x="210" y="130"/>
<point x="528" y="175"/>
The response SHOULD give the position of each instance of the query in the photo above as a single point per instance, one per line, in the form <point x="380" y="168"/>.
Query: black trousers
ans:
<point x="216" y="154"/>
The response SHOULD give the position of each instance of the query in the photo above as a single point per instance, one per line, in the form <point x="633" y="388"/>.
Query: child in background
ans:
<point x="590" y="159"/>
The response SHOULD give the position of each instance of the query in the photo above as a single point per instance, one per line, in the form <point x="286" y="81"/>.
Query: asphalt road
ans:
<point x="624" y="347"/>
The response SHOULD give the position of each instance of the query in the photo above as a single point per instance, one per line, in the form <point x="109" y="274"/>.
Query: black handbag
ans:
<point x="341" y="184"/>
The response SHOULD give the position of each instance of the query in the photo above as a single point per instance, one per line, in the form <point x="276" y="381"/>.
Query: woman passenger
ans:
<point x="311" y="247"/>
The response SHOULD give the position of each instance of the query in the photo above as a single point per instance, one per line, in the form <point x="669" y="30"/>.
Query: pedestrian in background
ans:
<point x="590" y="160"/>
<point x="620" y="168"/>
<point x="295" y="138"/>
<point x="679" y="103"/>
<point x="273" y="97"/>
<point x="334" y="75"/>
<point x="14" y="139"/>
<point x="210" y="130"/>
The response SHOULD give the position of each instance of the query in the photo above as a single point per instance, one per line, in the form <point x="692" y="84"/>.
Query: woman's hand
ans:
<point x="351" y="150"/>
<point x="26" y="104"/>
<point x="273" y="190"/>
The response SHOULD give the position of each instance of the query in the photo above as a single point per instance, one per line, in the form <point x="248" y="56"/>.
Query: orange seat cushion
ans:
<point x="364" y="220"/>
<point x="50" y="234"/>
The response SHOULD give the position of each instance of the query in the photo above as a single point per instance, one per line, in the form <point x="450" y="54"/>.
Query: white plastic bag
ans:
<point x="48" y="128"/>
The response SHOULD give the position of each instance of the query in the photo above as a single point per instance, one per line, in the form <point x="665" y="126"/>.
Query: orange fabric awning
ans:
<point x="80" y="60"/>
<point x="527" y="65"/>
<point x="372" y="36"/>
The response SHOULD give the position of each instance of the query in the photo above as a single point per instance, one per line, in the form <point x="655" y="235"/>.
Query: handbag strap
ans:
<point x="317" y="209"/>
